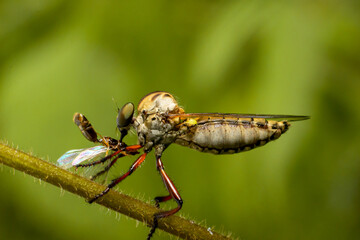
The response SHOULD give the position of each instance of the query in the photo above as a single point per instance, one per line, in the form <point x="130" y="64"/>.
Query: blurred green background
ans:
<point x="278" y="57"/>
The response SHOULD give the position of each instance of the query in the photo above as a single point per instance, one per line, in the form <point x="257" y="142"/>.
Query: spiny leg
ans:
<point x="174" y="194"/>
<point x="114" y="182"/>
<point x="100" y="161"/>
<point x="132" y="150"/>
<point x="107" y="168"/>
<point x="129" y="150"/>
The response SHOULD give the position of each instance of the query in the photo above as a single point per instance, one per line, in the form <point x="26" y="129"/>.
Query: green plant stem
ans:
<point x="114" y="200"/>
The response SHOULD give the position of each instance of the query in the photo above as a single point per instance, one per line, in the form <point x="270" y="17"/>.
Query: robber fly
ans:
<point x="160" y="122"/>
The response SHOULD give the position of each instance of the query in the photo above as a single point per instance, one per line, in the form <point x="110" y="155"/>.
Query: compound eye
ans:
<point x="125" y="115"/>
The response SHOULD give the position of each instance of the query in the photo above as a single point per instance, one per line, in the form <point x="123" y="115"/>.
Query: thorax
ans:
<point x="151" y="124"/>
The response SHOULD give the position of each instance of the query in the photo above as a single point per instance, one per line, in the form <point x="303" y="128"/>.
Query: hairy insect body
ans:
<point x="153" y="131"/>
<point x="225" y="134"/>
<point x="231" y="136"/>
<point x="151" y="124"/>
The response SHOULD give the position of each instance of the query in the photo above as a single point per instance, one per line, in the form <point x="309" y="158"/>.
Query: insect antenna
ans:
<point x="117" y="106"/>
<point x="117" y="131"/>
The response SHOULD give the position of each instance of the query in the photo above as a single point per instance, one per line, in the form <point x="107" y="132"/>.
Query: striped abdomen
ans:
<point x="229" y="136"/>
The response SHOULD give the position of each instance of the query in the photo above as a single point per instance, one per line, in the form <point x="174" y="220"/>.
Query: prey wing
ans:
<point x="76" y="156"/>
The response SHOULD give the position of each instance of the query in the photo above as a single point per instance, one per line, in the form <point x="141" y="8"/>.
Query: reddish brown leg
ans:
<point x="158" y="200"/>
<point x="130" y="150"/>
<point x="101" y="160"/>
<point x="107" y="168"/>
<point x="174" y="194"/>
<point x="114" y="182"/>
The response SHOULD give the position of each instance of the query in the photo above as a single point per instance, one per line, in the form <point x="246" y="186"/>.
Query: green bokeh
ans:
<point x="60" y="57"/>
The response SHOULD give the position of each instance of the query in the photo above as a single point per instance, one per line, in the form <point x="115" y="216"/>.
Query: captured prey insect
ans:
<point x="97" y="154"/>
<point x="160" y="122"/>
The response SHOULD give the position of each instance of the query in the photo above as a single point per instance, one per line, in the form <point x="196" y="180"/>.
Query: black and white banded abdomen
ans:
<point x="231" y="137"/>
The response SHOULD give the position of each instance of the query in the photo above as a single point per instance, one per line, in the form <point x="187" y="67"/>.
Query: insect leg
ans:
<point x="107" y="168"/>
<point x="100" y="161"/>
<point x="158" y="200"/>
<point x="174" y="194"/>
<point x="132" y="150"/>
<point x="129" y="150"/>
<point x="114" y="182"/>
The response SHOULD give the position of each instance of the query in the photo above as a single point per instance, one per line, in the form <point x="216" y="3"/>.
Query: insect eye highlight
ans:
<point x="125" y="116"/>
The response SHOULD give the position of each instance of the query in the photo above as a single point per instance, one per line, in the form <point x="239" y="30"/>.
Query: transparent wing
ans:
<point x="85" y="156"/>
<point x="65" y="161"/>
<point x="92" y="154"/>
<point x="77" y="156"/>
<point x="216" y="116"/>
